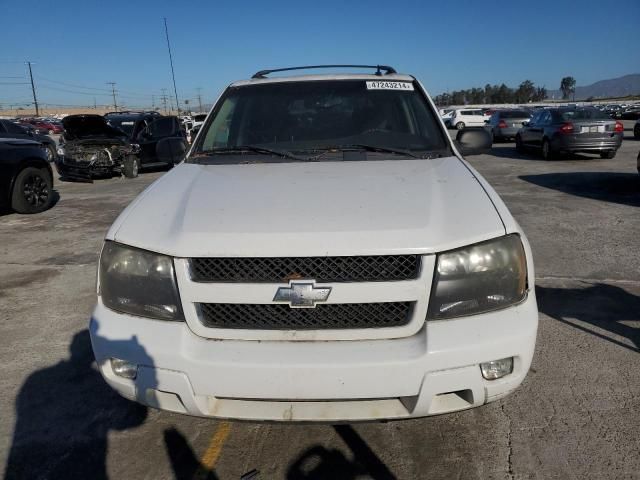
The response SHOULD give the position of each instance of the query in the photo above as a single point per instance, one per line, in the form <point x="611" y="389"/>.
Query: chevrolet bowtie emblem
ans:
<point x="302" y="294"/>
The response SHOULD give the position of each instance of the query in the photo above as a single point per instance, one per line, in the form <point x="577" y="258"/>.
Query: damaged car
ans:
<point x="93" y="148"/>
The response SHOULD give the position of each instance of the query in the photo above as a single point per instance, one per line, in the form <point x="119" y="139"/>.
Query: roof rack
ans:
<point x="379" y="68"/>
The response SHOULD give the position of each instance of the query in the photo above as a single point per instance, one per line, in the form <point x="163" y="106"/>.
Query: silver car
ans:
<point x="558" y="131"/>
<point x="504" y="124"/>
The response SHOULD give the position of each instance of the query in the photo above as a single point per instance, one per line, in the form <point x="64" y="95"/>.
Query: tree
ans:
<point x="541" y="94"/>
<point x="568" y="87"/>
<point x="525" y="93"/>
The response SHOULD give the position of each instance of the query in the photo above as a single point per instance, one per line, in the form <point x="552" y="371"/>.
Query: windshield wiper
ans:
<point x="373" y="148"/>
<point x="250" y="149"/>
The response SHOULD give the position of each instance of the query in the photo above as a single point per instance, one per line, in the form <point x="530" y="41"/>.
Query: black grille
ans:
<point x="322" y="317"/>
<point x="373" y="268"/>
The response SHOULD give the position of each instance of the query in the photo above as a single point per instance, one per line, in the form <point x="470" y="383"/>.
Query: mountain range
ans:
<point x="611" y="88"/>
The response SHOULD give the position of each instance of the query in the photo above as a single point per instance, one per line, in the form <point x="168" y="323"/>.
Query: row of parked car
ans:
<point x="89" y="146"/>
<point x="554" y="132"/>
<point x="622" y="111"/>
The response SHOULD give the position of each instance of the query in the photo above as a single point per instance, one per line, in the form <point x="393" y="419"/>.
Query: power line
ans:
<point x="73" y="85"/>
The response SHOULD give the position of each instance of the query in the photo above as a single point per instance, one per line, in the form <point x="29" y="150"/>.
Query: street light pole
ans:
<point x="173" y="75"/>
<point x="33" y="89"/>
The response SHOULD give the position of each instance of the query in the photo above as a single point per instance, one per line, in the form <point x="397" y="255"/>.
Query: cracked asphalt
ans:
<point x="575" y="416"/>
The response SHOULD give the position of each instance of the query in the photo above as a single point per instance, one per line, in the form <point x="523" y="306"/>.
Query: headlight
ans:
<point x="479" y="278"/>
<point x="139" y="282"/>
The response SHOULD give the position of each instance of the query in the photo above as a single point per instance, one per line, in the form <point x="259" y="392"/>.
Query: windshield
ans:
<point x="125" y="124"/>
<point x="514" y="114"/>
<point x="584" y="114"/>
<point x="319" y="115"/>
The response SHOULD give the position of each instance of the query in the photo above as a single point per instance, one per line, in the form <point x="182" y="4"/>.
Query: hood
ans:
<point x="310" y="209"/>
<point x="79" y="127"/>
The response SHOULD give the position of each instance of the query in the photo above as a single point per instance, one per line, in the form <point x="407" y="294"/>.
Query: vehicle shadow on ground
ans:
<point x="55" y="198"/>
<point x="64" y="414"/>
<point x="508" y="150"/>
<point x="601" y="305"/>
<point x="184" y="462"/>
<point x="615" y="187"/>
<point x="319" y="462"/>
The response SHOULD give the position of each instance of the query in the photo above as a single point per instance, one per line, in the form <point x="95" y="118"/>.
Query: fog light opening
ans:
<point x="497" y="368"/>
<point x="124" y="369"/>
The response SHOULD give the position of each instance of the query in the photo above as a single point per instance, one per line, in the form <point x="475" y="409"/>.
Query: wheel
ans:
<point x="547" y="152"/>
<point x="519" y="144"/>
<point x="608" y="154"/>
<point x="636" y="132"/>
<point x="459" y="125"/>
<point x="131" y="166"/>
<point x="32" y="191"/>
<point x="50" y="151"/>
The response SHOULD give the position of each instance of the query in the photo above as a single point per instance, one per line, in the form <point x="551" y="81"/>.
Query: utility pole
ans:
<point x="113" y="92"/>
<point x="175" y="90"/>
<point x="199" y="99"/>
<point x="164" y="99"/>
<point x="95" y="104"/>
<point x="33" y="89"/>
<point x="153" y="102"/>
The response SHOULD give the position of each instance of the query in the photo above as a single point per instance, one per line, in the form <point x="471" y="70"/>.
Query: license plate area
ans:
<point x="592" y="129"/>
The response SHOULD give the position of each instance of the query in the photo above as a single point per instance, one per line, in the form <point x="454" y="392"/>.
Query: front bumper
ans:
<point x="82" y="172"/>
<point x="432" y="372"/>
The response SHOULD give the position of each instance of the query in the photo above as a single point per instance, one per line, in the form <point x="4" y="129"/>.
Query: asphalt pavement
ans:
<point x="575" y="416"/>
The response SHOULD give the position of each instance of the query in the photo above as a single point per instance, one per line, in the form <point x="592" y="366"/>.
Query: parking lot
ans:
<point x="575" y="416"/>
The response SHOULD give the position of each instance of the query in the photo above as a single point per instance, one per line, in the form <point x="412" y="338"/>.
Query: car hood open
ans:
<point x="311" y="209"/>
<point x="79" y="127"/>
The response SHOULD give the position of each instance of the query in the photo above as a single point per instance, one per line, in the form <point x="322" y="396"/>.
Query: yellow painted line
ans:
<point x="212" y="454"/>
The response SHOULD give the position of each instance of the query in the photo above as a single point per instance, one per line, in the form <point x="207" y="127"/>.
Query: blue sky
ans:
<point x="77" y="47"/>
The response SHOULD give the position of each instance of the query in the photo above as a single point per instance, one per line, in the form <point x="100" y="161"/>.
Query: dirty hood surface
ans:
<point x="310" y="209"/>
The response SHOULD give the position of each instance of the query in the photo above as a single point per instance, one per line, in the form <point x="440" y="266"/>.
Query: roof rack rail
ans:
<point x="379" y="68"/>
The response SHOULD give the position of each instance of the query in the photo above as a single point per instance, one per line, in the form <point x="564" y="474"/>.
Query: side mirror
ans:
<point x="171" y="150"/>
<point x="473" y="141"/>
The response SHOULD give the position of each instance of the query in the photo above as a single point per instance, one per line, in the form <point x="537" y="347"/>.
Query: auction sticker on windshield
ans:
<point x="379" y="85"/>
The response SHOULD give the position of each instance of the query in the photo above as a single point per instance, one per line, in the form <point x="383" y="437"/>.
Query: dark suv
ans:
<point x="9" y="129"/>
<point x="96" y="146"/>
<point x="145" y="129"/>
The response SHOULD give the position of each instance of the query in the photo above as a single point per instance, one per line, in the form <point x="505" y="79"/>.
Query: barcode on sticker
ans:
<point x="381" y="85"/>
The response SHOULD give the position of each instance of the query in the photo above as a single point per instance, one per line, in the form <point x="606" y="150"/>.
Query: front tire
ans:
<point x="519" y="144"/>
<point x="32" y="191"/>
<point x="608" y="154"/>
<point x="131" y="166"/>
<point x="459" y="125"/>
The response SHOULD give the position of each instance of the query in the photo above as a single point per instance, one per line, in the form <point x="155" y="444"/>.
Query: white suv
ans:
<point x="323" y="253"/>
<point x="465" y="117"/>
